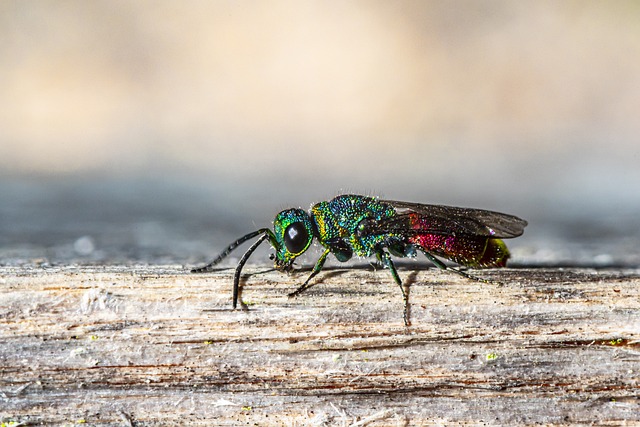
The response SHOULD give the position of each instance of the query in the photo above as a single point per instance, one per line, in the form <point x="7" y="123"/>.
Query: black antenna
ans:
<point x="265" y="233"/>
<point x="229" y="249"/>
<point x="243" y="260"/>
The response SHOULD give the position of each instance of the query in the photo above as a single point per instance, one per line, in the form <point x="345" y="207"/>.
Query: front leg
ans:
<point x="316" y="269"/>
<point x="339" y="248"/>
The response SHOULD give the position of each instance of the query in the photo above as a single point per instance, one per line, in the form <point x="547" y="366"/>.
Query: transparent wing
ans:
<point x="449" y="220"/>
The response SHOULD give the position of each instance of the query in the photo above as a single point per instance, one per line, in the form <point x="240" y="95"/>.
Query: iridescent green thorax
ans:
<point x="340" y="217"/>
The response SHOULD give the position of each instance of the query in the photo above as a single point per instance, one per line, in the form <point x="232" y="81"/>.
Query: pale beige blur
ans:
<point x="126" y="86"/>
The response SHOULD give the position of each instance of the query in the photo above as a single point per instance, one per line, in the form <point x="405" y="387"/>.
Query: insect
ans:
<point x="363" y="226"/>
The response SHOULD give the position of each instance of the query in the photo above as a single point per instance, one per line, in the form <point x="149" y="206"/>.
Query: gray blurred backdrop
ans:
<point x="158" y="131"/>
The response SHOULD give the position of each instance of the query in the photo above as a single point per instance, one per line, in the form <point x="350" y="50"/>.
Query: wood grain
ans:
<point x="155" y="345"/>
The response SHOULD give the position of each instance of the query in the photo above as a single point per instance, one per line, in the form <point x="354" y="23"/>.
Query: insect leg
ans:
<point x="316" y="269"/>
<point x="386" y="259"/>
<point x="441" y="265"/>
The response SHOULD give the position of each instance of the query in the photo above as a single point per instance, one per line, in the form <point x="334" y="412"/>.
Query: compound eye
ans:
<point x="296" y="237"/>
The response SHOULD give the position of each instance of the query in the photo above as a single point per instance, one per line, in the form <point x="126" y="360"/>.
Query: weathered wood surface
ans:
<point x="159" y="346"/>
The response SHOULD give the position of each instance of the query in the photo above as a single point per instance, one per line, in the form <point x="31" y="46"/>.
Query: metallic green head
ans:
<point x="293" y="231"/>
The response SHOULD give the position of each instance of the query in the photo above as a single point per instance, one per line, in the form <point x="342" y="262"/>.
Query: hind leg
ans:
<point x="441" y="265"/>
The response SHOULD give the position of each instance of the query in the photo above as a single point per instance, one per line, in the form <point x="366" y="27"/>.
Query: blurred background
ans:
<point x="159" y="131"/>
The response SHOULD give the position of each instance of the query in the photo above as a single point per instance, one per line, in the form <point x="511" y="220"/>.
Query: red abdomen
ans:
<point x="468" y="250"/>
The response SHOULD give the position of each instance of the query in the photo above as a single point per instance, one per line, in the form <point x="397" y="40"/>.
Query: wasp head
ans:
<point x="293" y="232"/>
